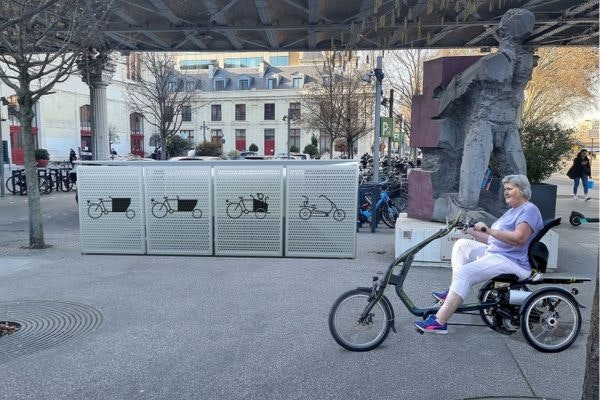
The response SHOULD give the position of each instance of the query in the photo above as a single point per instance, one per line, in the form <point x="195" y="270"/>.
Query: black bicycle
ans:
<point x="17" y="184"/>
<point x="161" y="208"/>
<point x="361" y="319"/>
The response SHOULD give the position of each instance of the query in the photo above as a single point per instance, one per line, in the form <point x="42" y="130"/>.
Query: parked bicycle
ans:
<point x="385" y="207"/>
<point x="118" y="205"/>
<point x="17" y="184"/>
<point x="161" y="208"/>
<point x="361" y="319"/>
<point x="259" y="206"/>
<point x="307" y="211"/>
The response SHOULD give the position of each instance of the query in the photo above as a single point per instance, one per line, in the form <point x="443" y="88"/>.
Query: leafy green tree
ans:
<point x="294" y="149"/>
<point x="176" y="145"/>
<point x="233" y="154"/>
<point x="312" y="150"/>
<point x="545" y="145"/>
<point x="212" y="149"/>
<point x="253" y="147"/>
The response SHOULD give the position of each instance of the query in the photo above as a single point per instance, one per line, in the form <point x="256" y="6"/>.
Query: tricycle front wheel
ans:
<point x="352" y="333"/>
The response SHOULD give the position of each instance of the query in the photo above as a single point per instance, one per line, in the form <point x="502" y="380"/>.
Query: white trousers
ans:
<point x="470" y="266"/>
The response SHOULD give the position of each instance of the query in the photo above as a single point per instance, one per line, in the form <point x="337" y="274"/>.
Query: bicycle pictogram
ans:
<point x="309" y="210"/>
<point x="160" y="209"/>
<point x="118" y="205"/>
<point x="260" y="206"/>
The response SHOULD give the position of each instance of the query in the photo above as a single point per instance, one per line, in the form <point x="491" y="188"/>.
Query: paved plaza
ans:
<point x="165" y="327"/>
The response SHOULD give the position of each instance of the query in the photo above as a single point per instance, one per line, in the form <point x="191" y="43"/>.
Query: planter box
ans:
<point x="543" y="195"/>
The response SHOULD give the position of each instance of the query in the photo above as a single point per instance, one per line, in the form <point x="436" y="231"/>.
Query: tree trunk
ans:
<point x="36" y="229"/>
<point x="590" y="381"/>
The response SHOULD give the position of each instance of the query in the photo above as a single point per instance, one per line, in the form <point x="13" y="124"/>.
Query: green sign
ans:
<point x="387" y="127"/>
<point x="398" y="137"/>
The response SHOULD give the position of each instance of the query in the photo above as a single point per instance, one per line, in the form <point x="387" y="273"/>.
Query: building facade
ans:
<point x="242" y="99"/>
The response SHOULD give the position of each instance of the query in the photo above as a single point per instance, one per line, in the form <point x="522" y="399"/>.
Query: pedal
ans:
<point x="419" y="331"/>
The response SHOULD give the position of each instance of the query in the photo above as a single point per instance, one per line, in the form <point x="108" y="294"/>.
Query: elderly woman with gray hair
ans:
<point x="499" y="249"/>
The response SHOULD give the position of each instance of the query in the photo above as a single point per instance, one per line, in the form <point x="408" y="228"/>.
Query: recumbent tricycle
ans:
<point x="361" y="319"/>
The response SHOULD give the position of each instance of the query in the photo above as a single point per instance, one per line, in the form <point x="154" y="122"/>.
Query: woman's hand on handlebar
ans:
<point x="481" y="227"/>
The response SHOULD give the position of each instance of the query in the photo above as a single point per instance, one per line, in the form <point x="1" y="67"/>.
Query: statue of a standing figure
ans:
<point x="483" y="102"/>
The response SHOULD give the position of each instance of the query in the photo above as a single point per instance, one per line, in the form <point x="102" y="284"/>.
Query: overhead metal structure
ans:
<point x="308" y="25"/>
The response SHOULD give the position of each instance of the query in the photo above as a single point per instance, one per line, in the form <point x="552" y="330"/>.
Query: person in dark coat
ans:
<point x="72" y="158"/>
<point x="580" y="170"/>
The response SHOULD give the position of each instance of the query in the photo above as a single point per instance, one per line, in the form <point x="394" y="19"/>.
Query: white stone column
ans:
<point x="97" y="71"/>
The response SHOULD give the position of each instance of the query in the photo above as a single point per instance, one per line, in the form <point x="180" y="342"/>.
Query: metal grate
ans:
<point x="178" y="210"/>
<point x="321" y="211"/>
<point x="111" y="212"/>
<point x="248" y="210"/>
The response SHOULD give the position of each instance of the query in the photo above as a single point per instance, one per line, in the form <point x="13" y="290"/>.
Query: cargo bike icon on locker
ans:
<point x="160" y="209"/>
<point x="260" y="206"/>
<point x="118" y="205"/>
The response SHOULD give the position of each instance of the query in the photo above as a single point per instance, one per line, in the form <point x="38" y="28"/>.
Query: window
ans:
<point x="196" y="64"/>
<point x="269" y="142"/>
<point x="180" y="85"/>
<point x="279" y="61"/>
<point x="171" y="86"/>
<point x="85" y="117"/>
<point x="297" y="83"/>
<point x="272" y="83"/>
<point x="216" y="136"/>
<point x="215" y="112"/>
<point x="190" y="86"/>
<point x="243" y="62"/>
<point x="294" y="138"/>
<point x="133" y="68"/>
<point x="219" y="85"/>
<point x="240" y="112"/>
<point x="186" y="113"/>
<point x="240" y="139"/>
<point x="295" y="111"/>
<point x="269" y="111"/>
<point x="135" y="123"/>
<point x="327" y="80"/>
<point x="187" y="134"/>
<point x="324" y="142"/>
<point x="244" y="84"/>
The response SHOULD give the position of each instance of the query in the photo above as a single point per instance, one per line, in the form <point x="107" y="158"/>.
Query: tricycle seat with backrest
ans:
<point x="538" y="253"/>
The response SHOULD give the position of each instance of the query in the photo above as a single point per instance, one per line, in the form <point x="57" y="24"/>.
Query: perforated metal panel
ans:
<point x="178" y="210"/>
<point x="111" y="212"/>
<point x="321" y="210"/>
<point x="248" y="210"/>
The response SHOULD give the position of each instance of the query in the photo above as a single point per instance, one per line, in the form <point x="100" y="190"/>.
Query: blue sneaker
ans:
<point x="440" y="296"/>
<point x="431" y="325"/>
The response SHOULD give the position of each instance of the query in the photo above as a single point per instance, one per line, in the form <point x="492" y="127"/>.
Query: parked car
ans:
<point x="245" y="154"/>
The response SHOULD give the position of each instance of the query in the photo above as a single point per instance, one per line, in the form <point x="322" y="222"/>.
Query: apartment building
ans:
<point x="242" y="99"/>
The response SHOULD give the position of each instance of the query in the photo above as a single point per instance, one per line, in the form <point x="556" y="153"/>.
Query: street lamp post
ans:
<point x="288" y="118"/>
<point x="4" y="102"/>
<point x="204" y="129"/>
<point x="1" y="157"/>
<point x="378" y="72"/>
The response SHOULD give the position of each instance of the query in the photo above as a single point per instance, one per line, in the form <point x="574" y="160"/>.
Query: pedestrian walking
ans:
<point x="580" y="170"/>
<point x="72" y="158"/>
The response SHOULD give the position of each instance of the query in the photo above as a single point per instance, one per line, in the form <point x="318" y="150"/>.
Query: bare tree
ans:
<point x="339" y="103"/>
<point x="160" y="94"/>
<point x="561" y="85"/>
<point x="38" y="50"/>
